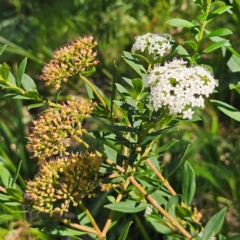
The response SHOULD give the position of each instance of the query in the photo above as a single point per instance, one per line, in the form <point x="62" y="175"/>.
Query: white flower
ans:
<point x="179" y="88"/>
<point x="155" y="43"/>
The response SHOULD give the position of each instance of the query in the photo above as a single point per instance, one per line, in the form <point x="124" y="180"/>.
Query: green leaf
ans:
<point x="165" y="146"/>
<point x="178" y="22"/>
<point x="5" y="218"/>
<point x="59" y="230"/>
<point x="174" y="200"/>
<point x="189" y="184"/>
<point x="234" y="63"/>
<point x="233" y="51"/>
<point x="122" y="90"/>
<point x="222" y="9"/>
<point x="4" y="198"/>
<point x="214" y="225"/>
<point x="35" y="105"/>
<point x="127" y="207"/>
<point x="158" y="225"/>
<point x="138" y="85"/>
<point x="13" y="204"/>
<point x="191" y="44"/>
<point x="28" y="83"/>
<point x="4" y="72"/>
<point x="21" y="71"/>
<point x="16" y="174"/>
<point x="5" y="176"/>
<point x="14" y="193"/>
<point x="12" y="79"/>
<point x="218" y="33"/>
<point x="227" y="109"/>
<point x="2" y="49"/>
<point x="183" y="212"/>
<point x="32" y="94"/>
<point x="111" y="153"/>
<point x="235" y="87"/>
<point x="175" y="165"/>
<point x="124" y="233"/>
<point x="215" y="46"/>
<point x="133" y="62"/>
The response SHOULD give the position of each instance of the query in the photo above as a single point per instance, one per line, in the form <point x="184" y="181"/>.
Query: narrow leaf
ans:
<point x="28" y="83"/>
<point x="111" y="153"/>
<point x="178" y="22"/>
<point x="138" y="85"/>
<point x="214" y="225"/>
<point x="2" y="49"/>
<point x="35" y="105"/>
<point x="4" y="72"/>
<point x="215" y="46"/>
<point x="189" y="184"/>
<point x="21" y="71"/>
<point x="14" y="193"/>
<point x="227" y="109"/>
<point x="124" y="233"/>
<point x="5" y="176"/>
<point x="16" y="173"/>
<point x="127" y="207"/>
<point x="218" y="33"/>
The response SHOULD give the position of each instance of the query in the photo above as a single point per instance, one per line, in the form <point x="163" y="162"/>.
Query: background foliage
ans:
<point x="35" y="28"/>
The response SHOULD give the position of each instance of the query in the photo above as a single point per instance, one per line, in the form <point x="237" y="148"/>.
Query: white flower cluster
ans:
<point x="155" y="43"/>
<point x="179" y="88"/>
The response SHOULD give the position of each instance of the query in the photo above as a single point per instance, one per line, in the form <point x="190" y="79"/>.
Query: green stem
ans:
<point x="95" y="91"/>
<point x="92" y="220"/>
<point x="200" y="34"/>
<point x="141" y="227"/>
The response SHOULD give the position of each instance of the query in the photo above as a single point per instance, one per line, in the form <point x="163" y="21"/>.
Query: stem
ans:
<point x="160" y="209"/>
<point x="160" y="176"/>
<point x="119" y="197"/>
<point x="94" y="224"/>
<point x="95" y="91"/>
<point x="76" y="226"/>
<point x="200" y="34"/>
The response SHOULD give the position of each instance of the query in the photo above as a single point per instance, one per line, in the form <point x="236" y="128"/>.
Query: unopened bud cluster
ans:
<point x="157" y="44"/>
<point x="180" y="89"/>
<point x="50" y="131"/>
<point x="70" y="60"/>
<point x="63" y="181"/>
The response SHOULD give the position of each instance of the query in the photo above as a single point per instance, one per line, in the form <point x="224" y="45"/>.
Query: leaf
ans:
<point x="234" y="63"/>
<point x="191" y="44"/>
<point x="133" y="62"/>
<point x="4" y="198"/>
<point x="122" y="90"/>
<point x="183" y="212"/>
<point x="157" y="225"/>
<point x="28" y="83"/>
<point x="178" y="22"/>
<point x="215" y="46"/>
<point x="214" y="225"/>
<point x="222" y="9"/>
<point x="21" y="71"/>
<point x="218" y="33"/>
<point x="124" y="233"/>
<point x="35" y="105"/>
<point x="189" y="184"/>
<point x="12" y="79"/>
<point x="14" y="193"/>
<point x="175" y="165"/>
<point x="58" y="230"/>
<point x="16" y="174"/>
<point x="165" y="146"/>
<point x="5" y="218"/>
<point x="235" y="87"/>
<point x="174" y="200"/>
<point x="4" y="72"/>
<point x="111" y="153"/>
<point x="227" y="109"/>
<point x="138" y="85"/>
<point x="5" y="176"/>
<point x="2" y="49"/>
<point x="127" y="207"/>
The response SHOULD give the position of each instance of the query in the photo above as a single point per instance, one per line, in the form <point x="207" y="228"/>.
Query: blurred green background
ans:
<point x="35" y="28"/>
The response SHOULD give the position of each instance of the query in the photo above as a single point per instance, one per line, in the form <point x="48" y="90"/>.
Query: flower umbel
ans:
<point x="63" y="181"/>
<point x="54" y="126"/>
<point x="179" y="88"/>
<point x="157" y="44"/>
<point x="70" y="60"/>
